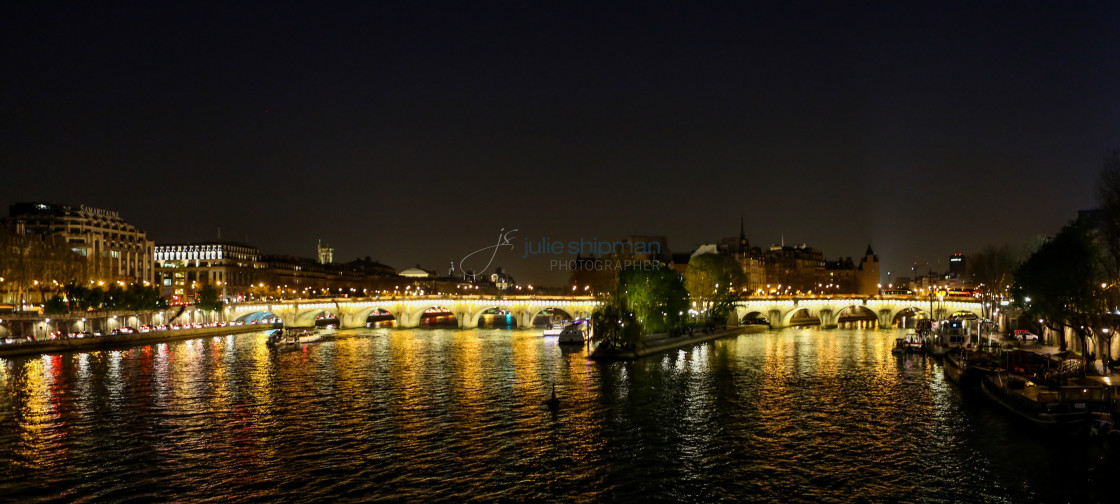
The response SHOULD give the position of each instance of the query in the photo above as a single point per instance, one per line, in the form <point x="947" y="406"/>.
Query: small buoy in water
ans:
<point x="553" y="403"/>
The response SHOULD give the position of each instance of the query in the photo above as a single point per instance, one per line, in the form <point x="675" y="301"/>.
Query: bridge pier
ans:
<point x="885" y="319"/>
<point x="524" y="319"/>
<point x="827" y="318"/>
<point x="776" y="320"/>
<point x="466" y="320"/>
<point x="406" y="320"/>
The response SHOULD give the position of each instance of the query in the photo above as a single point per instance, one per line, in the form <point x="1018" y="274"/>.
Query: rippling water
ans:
<point x="411" y="415"/>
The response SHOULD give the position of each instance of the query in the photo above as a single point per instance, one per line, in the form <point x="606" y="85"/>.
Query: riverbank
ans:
<point x="661" y="343"/>
<point x="115" y="340"/>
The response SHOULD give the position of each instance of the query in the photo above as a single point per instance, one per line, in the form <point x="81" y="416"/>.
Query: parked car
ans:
<point x="1025" y="336"/>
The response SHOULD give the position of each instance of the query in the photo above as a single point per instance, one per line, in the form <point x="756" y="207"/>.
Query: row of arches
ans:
<point x="852" y="316"/>
<point x="432" y="317"/>
<point x="514" y="316"/>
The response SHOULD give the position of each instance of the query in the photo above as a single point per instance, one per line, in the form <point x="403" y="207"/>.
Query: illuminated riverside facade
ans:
<point x="241" y="272"/>
<point x="182" y="269"/>
<point x="114" y="249"/>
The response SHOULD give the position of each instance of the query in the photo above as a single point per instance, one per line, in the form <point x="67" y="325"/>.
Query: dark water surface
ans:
<point x="448" y="415"/>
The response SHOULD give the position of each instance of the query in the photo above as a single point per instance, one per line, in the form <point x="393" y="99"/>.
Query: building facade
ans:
<point x="182" y="269"/>
<point x="115" y="250"/>
<point x="957" y="265"/>
<point x="793" y="269"/>
<point x="241" y="272"/>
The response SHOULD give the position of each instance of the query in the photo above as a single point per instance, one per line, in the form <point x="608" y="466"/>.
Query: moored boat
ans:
<point x="757" y="322"/>
<point x="953" y="367"/>
<point x="950" y="334"/>
<point x="1067" y="408"/>
<point x="556" y="325"/>
<point x="912" y="342"/>
<point x="290" y="337"/>
<point x="966" y="367"/>
<point x="574" y="334"/>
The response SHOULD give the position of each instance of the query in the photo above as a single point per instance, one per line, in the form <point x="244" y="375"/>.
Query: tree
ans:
<point x="992" y="268"/>
<point x="55" y="306"/>
<point x="656" y="296"/>
<point x="646" y="299"/>
<point x="208" y="299"/>
<point x="713" y="281"/>
<point x="614" y="324"/>
<point x="1108" y="225"/>
<point x="1061" y="283"/>
<point x="115" y="297"/>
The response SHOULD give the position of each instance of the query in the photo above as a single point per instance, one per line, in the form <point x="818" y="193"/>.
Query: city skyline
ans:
<point x="415" y="135"/>
<point x="563" y="258"/>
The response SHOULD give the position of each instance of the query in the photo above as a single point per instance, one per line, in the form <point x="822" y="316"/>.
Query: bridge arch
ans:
<point x="755" y="317"/>
<point x="542" y="316"/>
<point x="965" y="314"/>
<point x="856" y="316"/>
<point x="800" y="316"/>
<point x="258" y="317"/>
<point x="435" y="317"/>
<point x="363" y="316"/>
<point x="309" y="317"/>
<point x="378" y="317"/>
<point x="479" y="318"/>
<point x="906" y="317"/>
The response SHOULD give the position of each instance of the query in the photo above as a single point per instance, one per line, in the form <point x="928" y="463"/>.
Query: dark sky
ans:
<point x="413" y="131"/>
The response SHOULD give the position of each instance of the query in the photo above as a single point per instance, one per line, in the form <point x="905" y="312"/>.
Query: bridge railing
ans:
<point x="466" y="297"/>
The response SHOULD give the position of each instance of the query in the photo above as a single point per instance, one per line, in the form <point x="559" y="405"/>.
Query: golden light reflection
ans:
<point x="32" y="385"/>
<point x="408" y="386"/>
<point x="114" y="383"/>
<point x="467" y="367"/>
<point x="352" y="371"/>
<point x="773" y="402"/>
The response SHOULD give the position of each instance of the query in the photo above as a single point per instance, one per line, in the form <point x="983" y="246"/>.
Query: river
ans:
<point x="797" y="415"/>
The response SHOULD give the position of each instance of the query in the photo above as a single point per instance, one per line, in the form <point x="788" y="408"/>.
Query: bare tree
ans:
<point x="1108" y="234"/>
<point x="993" y="268"/>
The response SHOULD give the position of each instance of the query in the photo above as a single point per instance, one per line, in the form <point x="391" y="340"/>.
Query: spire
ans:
<point x="869" y="251"/>
<point x="742" y="235"/>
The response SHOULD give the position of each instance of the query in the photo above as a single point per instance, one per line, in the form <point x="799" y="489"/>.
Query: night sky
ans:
<point x="413" y="132"/>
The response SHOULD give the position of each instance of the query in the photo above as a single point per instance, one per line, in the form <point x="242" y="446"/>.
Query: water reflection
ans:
<point x="825" y="415"/>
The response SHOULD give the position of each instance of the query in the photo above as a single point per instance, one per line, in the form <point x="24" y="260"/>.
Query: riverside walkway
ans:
<point x="113" y="340"/>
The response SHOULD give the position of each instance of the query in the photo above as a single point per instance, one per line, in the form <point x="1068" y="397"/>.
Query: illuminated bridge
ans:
<point x="407" y="311"/>
<point x="780" y="311"/>
<point x="783" y="311"/>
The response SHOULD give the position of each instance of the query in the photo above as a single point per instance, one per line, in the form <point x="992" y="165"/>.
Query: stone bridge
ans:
<point x="781" y="311"/>
<point x="408" y="310"/>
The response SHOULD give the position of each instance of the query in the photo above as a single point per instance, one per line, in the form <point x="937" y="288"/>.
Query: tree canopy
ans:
<point x="209" y="298"/>
<point x="1061" y="282"/>
<point x="994" y="270"/>
<point x="646" y="299"/>
<point x="713" y="282"/>
<point x="656" y="296"/>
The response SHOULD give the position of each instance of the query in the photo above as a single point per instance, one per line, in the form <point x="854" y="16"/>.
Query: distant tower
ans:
<point x="744" y="245"/>
<point x="326" y="253"/>
<point x="868" y="273"/>
<point x="957" y="265"/>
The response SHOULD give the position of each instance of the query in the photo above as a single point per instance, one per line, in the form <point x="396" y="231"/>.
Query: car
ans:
<point x="1025" y="335"/>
